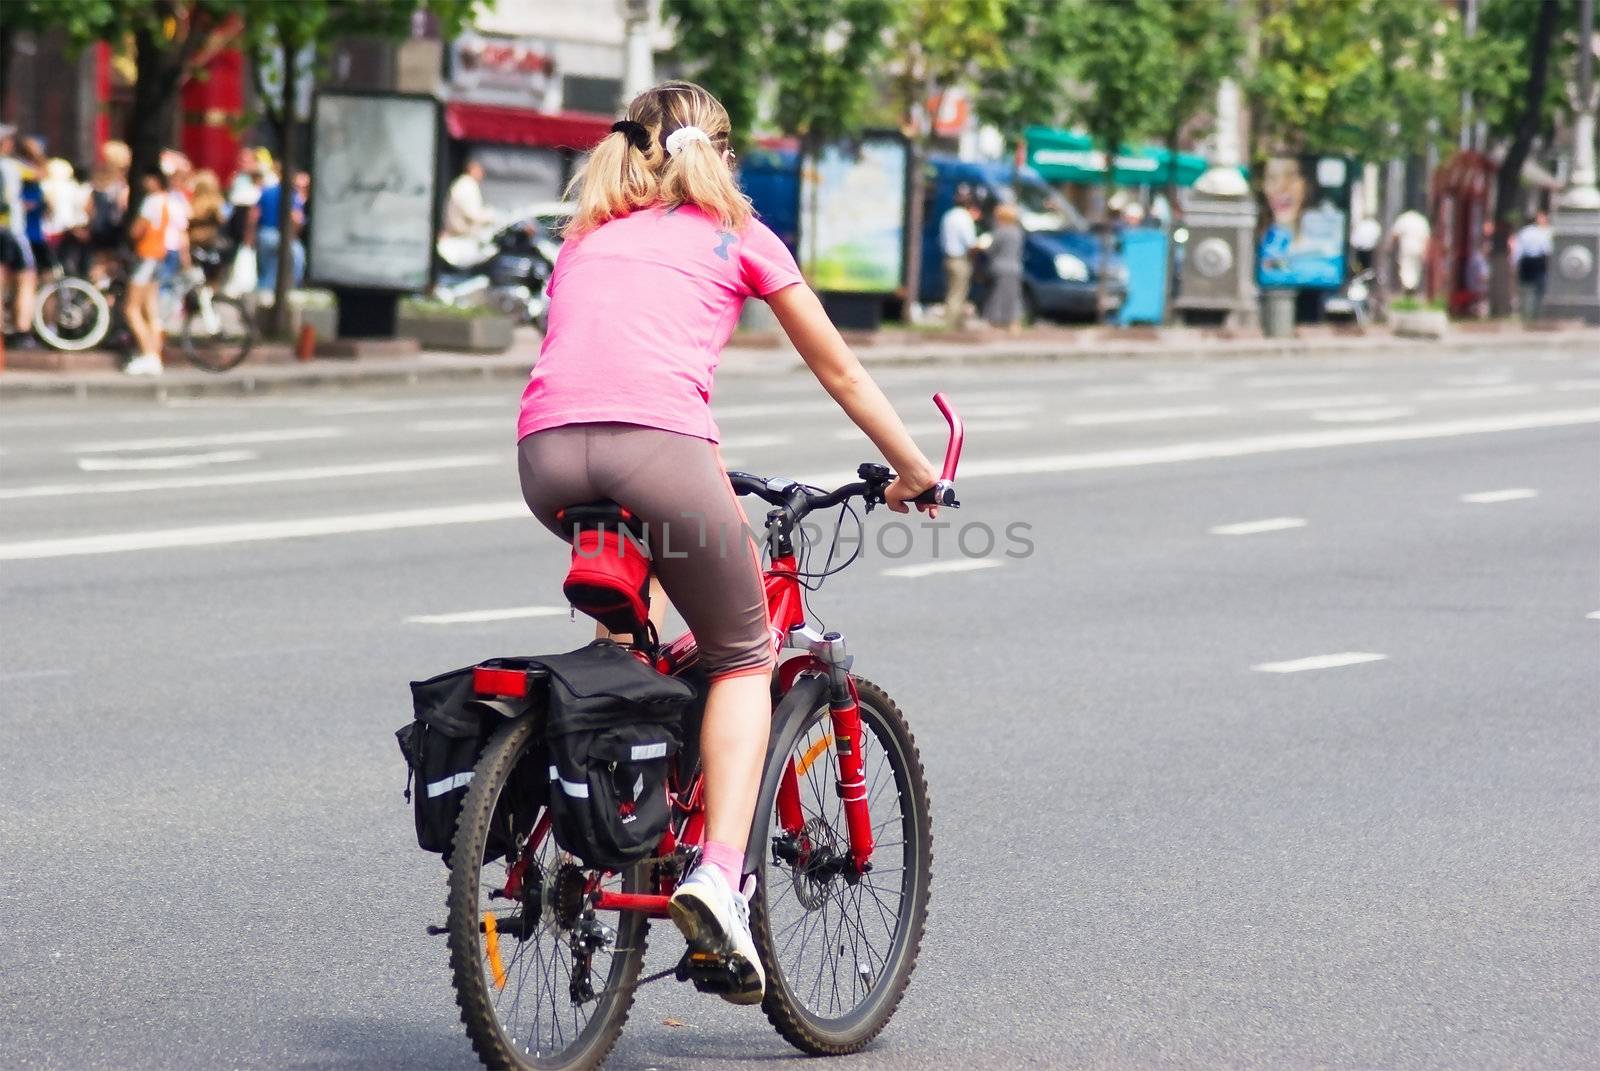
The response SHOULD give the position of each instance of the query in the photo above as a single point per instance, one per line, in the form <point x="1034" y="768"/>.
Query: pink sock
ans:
<point x="726" y="858"/>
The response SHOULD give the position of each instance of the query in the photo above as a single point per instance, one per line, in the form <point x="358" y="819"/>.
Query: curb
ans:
<point x="741" y="363"/>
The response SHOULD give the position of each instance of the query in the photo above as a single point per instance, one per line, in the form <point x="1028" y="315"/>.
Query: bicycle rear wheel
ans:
<point x="839" y="952"/>
<point x="542" y="982"/>
<point x="218" y="332"/>
<point x="71" y="314"/>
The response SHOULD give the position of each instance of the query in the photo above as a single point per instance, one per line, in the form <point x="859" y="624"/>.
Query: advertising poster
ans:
<point x="374" y="198"/>
<point x="853" y="216"/>
<point x="1307" y="215"/>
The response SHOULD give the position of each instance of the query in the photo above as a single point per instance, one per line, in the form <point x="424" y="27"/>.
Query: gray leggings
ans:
<point x="699" y="539"/>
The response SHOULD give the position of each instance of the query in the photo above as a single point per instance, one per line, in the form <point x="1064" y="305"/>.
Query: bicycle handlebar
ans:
<point x="794" y="499"/>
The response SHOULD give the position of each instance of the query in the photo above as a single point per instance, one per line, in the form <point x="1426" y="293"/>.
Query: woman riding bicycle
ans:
<point x="657" y="263"/>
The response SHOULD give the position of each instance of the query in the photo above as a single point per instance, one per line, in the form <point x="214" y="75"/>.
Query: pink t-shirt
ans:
<point x="640" y="308"/>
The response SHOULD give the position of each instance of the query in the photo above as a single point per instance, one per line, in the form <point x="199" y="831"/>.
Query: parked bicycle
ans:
<point x="213" y="331"/>
<point x="546" y="951"/>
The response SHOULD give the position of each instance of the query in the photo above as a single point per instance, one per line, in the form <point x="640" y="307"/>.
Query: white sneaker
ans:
<point x="715" y="921"/>
<point x="146" y="364"/>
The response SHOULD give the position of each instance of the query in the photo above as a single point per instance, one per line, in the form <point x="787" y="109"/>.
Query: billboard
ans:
<point x="853" y="215"/>
<point x="1307" y="212"/>
<point x="374" y="196"/>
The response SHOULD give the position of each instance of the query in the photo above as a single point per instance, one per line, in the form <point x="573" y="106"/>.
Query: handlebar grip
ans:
<point x="942" y="493"/>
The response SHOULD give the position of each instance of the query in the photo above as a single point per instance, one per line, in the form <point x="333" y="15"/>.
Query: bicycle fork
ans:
<point x="844" y="713"/>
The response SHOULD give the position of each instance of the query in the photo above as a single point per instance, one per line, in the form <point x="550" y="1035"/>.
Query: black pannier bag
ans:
<point x="612" y="726"/>
<point x="441" y="746"/>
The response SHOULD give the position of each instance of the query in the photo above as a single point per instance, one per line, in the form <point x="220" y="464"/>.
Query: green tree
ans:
<point x="1028" y="87"/>
<point x="1126" y="81"/>
<point x="939" y="45"/>
<point x="725" y="46"/>
<point x="1516" y="68"/>
<point x="282" y="32"/>
<point x="171" y="39"/>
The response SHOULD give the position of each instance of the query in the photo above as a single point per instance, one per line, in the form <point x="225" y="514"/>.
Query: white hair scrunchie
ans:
<point x="680" y="137"/>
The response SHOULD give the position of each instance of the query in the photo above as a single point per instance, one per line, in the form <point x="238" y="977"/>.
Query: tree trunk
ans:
<point x="159" y="70"/>
<point x="915" y="221"/>
<point x="286" y="160"/>
<point x="1508" y="180"/>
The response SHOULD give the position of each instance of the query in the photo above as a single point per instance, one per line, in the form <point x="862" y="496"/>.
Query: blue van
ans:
<point x="1061" y="257"/>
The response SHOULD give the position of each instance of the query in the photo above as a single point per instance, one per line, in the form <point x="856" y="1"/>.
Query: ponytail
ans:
<point x="630" y="169"/>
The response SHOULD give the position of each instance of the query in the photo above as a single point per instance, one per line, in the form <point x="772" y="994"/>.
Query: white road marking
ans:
<point x="1327" y="661"/>
<point x="1576" y="384"/>
<point x="1466" y="394"/>
<point x="964" y="565"/>
<point x="1336" y="401"/>
<point x="186" y="442"/>
<point x="34" y="674"/>
<point x="164" y="463"/>
<point x="1126" y="390"/>
<point x="469" y="617"/>
<point x="1296" y="380"/>
<point x="1141" y="416"/>
<point x="508" y="425"/>
<point x="1510" y="494"/>
<point x="977" y="469"/>
<point x="259" y="531"/>
<point x="1594" y="616"/>
<point x="240" y="479"/>
<point x="1271" y="524"/>
<point x="1362" y="416"/>
<point x="1479" y="379"/>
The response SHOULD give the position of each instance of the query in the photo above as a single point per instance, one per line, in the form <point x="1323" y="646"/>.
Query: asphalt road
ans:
<point x="1149" y="850"/>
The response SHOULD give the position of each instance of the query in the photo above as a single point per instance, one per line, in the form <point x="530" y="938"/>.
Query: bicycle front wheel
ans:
<point x="218" y="332"/>
<point x="839" y="948"/>
<point x="543" y="981"/>
<point x="71" y="314"/>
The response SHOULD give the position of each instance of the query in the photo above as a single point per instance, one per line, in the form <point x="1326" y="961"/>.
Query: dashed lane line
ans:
<point x="1327" y="661"/>
<point x="1336" y="401"/>
<point x="164" y="462"/>
<point x="188" y="442"/>
<point x="963" y="565"/>
<point x="242" y="479"/>
<point x="473" y="617"/>
<point x="1509" y="494"/>
<point x="1141" y="416"/>
<point x="1271" y="524"/>
<point x="1363" y="416"/>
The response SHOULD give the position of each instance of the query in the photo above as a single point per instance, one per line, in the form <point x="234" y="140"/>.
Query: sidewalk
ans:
<point x="766" y="355"/>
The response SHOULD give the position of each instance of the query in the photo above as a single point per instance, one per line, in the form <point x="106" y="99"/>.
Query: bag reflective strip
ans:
<point x="649" y="751"/>
<point x="439" y="788"/>
<point x="571" y="788"/>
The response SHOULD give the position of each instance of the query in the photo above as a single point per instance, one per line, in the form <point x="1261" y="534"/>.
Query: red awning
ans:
<point x="521" y="126"/>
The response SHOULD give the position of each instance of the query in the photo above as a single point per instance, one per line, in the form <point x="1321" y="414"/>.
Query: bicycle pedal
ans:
<point x="710" y="972"/>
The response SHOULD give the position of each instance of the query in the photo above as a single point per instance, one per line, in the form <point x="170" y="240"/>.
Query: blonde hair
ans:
<point x="1006" y="212"/>
<point x="620" y="177"/>
<point x="205" y="194"/>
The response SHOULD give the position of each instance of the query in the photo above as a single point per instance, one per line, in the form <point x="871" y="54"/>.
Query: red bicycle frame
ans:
<point x="786" y="619"/>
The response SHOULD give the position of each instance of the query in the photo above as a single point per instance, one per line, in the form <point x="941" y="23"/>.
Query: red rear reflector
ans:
<point x="509" y="682"/>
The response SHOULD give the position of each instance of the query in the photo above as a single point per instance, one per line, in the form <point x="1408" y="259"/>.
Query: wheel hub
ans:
<point x="817" y="870"/>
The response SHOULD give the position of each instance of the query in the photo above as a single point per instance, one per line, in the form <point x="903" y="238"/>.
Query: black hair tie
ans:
<point x="636" y="133"/>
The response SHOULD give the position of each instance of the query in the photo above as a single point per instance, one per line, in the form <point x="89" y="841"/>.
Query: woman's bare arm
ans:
<point x="842" y="376"/>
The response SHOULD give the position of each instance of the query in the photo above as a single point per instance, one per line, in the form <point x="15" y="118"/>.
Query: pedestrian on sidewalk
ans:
<point x="1533" y="245"/>
<point x="17" y="265"/>
<point x="958" y="235"/>
<point x="1003" y="306"/>
<point x="149" y="235"/>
